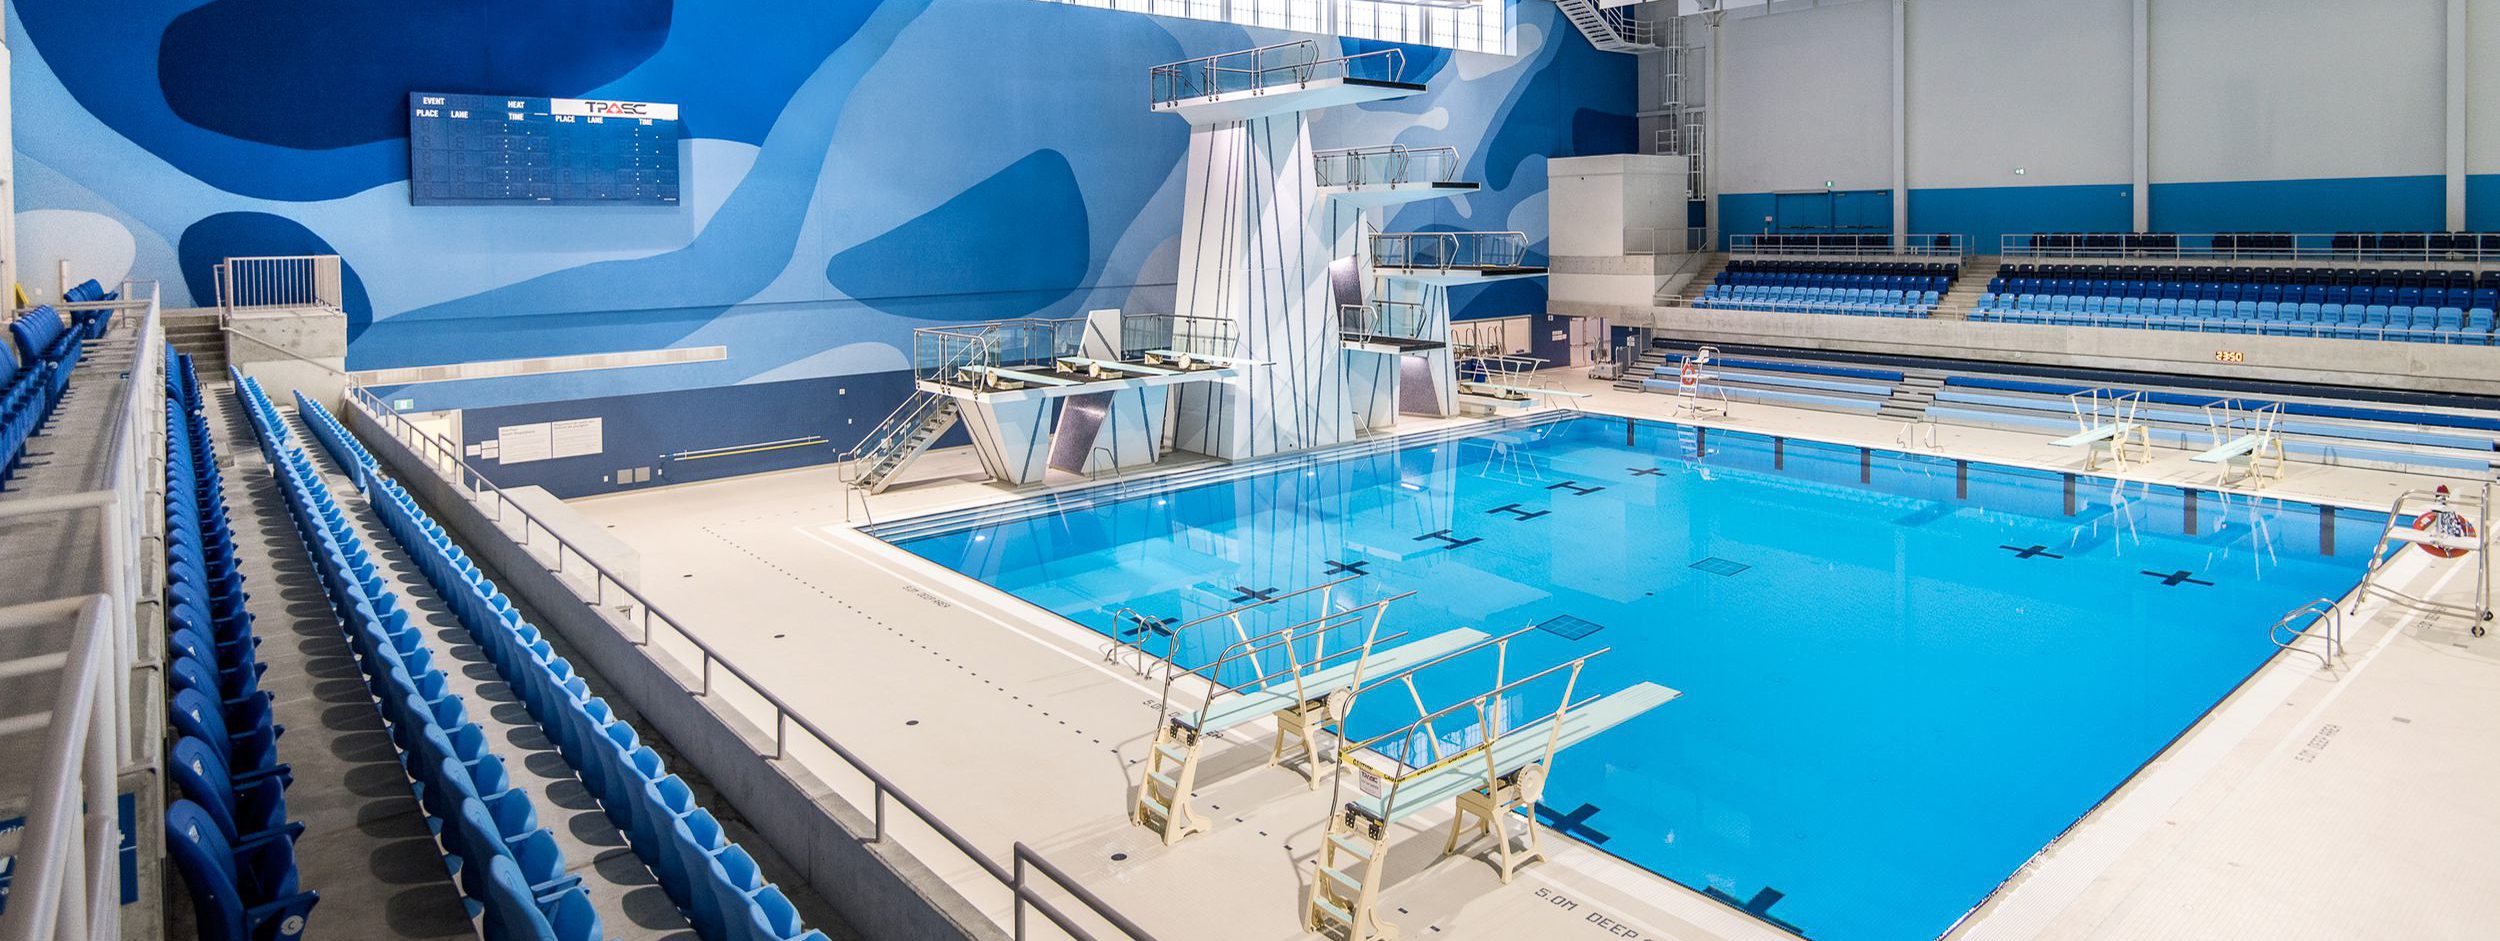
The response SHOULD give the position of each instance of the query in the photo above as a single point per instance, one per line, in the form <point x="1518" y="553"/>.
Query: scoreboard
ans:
<point x="484" y="150"/>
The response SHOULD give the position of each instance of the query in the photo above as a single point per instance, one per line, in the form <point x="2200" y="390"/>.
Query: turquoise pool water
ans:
<point x="1903" y="675"/>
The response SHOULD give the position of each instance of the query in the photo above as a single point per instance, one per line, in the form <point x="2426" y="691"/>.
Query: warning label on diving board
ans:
<point x="547" y="440"/>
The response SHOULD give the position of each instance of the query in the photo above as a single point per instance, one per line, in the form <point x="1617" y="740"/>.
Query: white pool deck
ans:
<point x="2357" y="802"/>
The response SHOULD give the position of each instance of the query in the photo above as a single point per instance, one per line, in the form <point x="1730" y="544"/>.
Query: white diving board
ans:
<point x="1102" y="368"/>
<point x="1185" y="359"/>
<point x="2241" y="446"/>
<point x="1516" y="749"/>
<point x="1018" y="375"/>
<point x="2090" y="436"/>
<point x="1242" y="708"/>
<point x="1518" y="391"/>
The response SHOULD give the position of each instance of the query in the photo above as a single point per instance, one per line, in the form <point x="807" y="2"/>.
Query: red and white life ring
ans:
<point x="2446" y="523"/>
<point x="1691" y="376"/>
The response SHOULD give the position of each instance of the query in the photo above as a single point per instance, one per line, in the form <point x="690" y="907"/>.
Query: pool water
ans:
<point x="1902" y="675"/>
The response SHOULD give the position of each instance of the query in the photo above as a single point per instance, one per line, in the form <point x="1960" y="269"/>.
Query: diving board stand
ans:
<point x="2244" y="437"/>
<point x="1041" y="395"/>
<point x="2107" y="424"/>
<point x="1488" y="768"/>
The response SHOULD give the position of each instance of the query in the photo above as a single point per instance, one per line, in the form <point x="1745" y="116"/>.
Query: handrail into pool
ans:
<point x="2320" y="611"/>
<point x="447" y="457"/>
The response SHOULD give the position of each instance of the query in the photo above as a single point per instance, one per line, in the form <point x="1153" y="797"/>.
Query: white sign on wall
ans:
<point x="579" y="437"/>
<point x="522" y="444"/>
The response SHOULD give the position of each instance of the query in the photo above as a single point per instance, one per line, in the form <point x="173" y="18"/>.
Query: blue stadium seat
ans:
<point x="239" y="891"/>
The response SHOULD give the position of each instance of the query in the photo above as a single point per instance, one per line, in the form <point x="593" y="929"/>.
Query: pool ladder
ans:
<point x="2320" y="612"/>
<point x="1131" y="652"/>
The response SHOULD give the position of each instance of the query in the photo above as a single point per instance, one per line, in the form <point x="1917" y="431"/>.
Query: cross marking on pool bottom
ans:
<point x="1575" y="488"/>
<point x="1647" y="472"/>
<point x="1160" y="626"/>
<point x="1362" y="567"/>
<point x="2021" y="552"/>
<point x="1516" y="511"/>
<point x="1451" y="542"/>
<point x="2174" y="579"/>
<point x="1575" y="823"/>
<point x="1252" y="594"/>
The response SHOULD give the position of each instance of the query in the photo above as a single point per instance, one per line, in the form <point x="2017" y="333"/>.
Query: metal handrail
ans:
<point x="1384" y="165"/>
<point x="1940" y="244"/>
<point x="2322" y="610"/>
<point x="1394" y="319"/>
<point x="1447" y="250"/>
<point x="2295" y="329"/>
<point x="2467" y="247"/>
<point x="68" y="876"/>
<point x="907" y="416"/>
<point x="447" y="457"/>
<point x="278" y="281"/>
<point x="1296" y="61"/>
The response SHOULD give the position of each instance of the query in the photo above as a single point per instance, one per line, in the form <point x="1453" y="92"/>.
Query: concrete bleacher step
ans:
<point x="1912" y="397"/>
<point x="1644" y="367"/>
<point x="1977" y="271"/>
<point x="1710" y="271"/>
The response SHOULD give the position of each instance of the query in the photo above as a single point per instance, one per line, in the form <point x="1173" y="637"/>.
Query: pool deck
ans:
<point x="2356" y="802"/>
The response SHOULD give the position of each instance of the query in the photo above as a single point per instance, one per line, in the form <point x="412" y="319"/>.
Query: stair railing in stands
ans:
<point x="638" y="611"/>
<point x="2474" y="248"/>
<point x="68" y="871"/>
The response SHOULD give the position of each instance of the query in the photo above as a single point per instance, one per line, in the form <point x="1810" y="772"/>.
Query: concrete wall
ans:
<point x="879" y="889"/>
<point x="2261" y="114"/>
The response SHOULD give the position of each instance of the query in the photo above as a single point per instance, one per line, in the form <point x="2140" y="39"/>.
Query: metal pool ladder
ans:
<point x="2319" y="612"/>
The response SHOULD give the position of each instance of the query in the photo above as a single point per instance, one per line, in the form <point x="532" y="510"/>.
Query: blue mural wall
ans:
<point x="854" y="169"/>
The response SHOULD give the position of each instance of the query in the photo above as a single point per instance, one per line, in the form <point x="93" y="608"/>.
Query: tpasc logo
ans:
<point x="595" y="108"/>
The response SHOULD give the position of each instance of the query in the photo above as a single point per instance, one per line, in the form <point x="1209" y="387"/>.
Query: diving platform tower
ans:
<point x="1275" y="241"/>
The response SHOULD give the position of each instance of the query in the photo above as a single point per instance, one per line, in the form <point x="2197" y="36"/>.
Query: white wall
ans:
<point x="2000" y="84"/>
<point x="2296" y="89"/>
<point x="1806" y="97"/>
<point x="2240" y="90"/>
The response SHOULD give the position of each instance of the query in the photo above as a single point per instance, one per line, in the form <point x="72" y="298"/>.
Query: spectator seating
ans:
<point x="228" y="833"/>
<point x="713" y="881"/>
<point x="502" y="860"/>
<point x="1838" y="243"/>
<point x="1884" y="289"/>
<point x="33" y="380"/>
<point x="2364" y="244"/>
<point x="2356" y="304"/>
<point x="91" y="324"/>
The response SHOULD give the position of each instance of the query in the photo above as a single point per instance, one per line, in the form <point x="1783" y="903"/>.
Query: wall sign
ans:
<point x="2230" y="356"/>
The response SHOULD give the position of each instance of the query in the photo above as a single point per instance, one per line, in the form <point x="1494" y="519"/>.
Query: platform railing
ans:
<point x="2349" y="247"/>
<point x="1848" y="245"/>
<point x="1449" y="250"/>
<point x="1397" y="320"/>
<point x="272" y="282"/>
<point x="1180" y="333"/>
<point x="1384" y="165"/>
<point x="67" y="878"/>
<point x="637" y="612"/>
<point x="1286" y="63"/>
<point x="944" y="355"/>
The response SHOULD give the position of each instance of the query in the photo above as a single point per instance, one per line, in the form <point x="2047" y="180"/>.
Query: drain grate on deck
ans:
<point x="1570" y="628"/>
<point x="1718" y="566"/>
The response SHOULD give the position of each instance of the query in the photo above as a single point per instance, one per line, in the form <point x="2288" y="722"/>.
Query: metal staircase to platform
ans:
<point x="1911" y="398"/>
<point x="1610" y="30"/>
<point x="902" y="437"/>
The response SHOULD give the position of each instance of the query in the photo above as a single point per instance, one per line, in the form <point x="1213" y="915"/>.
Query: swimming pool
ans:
<point x="1903" y="674"/>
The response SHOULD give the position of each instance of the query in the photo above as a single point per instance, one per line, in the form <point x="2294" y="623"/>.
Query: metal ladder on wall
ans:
<point x="902" y="436"/>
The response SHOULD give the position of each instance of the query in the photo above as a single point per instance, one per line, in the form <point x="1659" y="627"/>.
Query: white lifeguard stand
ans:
<point x="2436" y="522"/>
<point x="1696" y="385"/>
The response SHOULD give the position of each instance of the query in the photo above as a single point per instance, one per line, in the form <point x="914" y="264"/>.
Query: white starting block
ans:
<point x="2106" y="419"/>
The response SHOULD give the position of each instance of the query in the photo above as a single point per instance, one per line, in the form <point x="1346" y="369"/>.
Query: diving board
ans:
<point x="2106" y="424"/>
<point x="1515" y="393"/>
<point x="1312" y="688"/>
<point x="1108" y="369"/>
<point x="2243" y="435"/>
<point x="1189" y="361"/>
<point x="999" y="377"/>
<point x="1493" y="773"/>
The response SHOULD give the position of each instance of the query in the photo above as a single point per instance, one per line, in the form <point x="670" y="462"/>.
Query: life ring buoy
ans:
<point x="2445" y="522"/>
<point x="1691" y="376"/>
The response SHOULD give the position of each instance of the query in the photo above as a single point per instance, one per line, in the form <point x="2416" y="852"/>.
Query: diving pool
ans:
<point x="1903" y="675"/>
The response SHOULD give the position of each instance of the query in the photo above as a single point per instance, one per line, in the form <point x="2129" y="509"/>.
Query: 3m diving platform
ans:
<point x="1381" y="176"/>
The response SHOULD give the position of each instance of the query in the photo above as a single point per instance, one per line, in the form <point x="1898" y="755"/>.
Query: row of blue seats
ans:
<point x="1832" y="295"/>
<point x="2260" y="274"/>
<point x="2279" y="328"/>
<point x="2372" y="314"/>
<point x="509" y="867"/>
<point x="228" y="834"/>
<point x="32" y="380"/>
<point x="712" y="880"/>
<point x="1814" y="307"/>
<point x="2270" y="293"/>
<point x="1937" y="283"/>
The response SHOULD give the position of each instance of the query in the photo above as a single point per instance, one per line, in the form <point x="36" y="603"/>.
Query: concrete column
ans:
<point x="2140" y="103"/>
<point x="1900" y="122"/>
<point x="2456" y="115"/>
<point x="1710" y="133"/>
